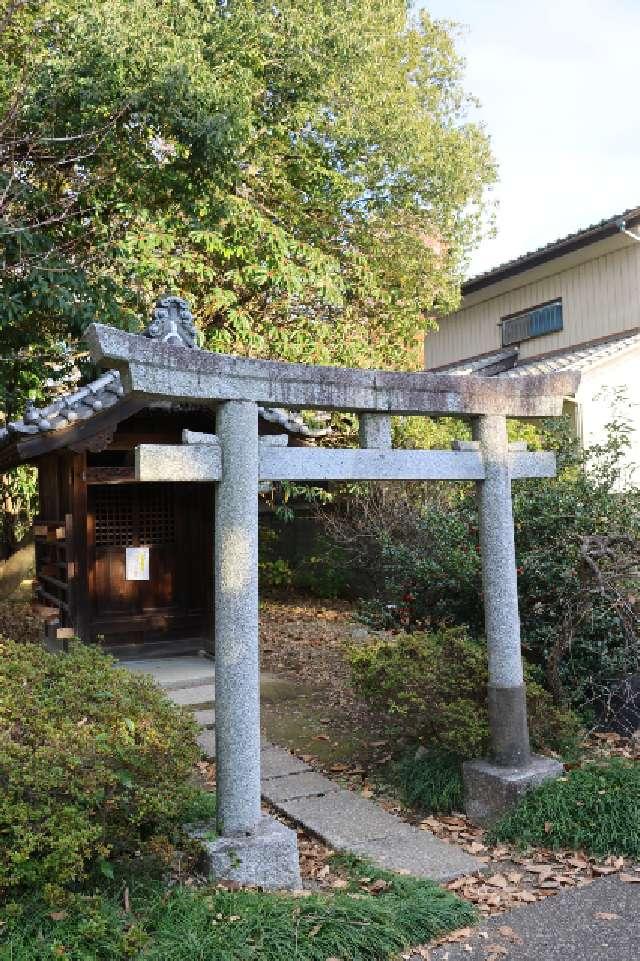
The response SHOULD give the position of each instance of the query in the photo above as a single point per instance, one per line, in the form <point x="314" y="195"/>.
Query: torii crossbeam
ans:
<point x="237" y="460"/>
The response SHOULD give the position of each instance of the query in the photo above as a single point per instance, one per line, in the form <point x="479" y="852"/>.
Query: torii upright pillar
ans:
<point x="494" y="784"/>
<point x="253" y="848"/>
<point x="237" y="683"/>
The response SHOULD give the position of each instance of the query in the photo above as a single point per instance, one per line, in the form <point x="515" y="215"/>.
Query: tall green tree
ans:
<point x="305" y="172"/>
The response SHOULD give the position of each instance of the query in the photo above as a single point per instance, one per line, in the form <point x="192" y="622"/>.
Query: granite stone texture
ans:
<point x="321" y="463"/>
<point x="162" y="370"/>
<point x="490" y="790"/>
<point x="498" y="554"/>
<point x="374" y="430"/>
<point x="266" y="857"/>
<point x="237" y="675"/>
<point x="175" y="462"/>
<point x="507" y="708"/>
<point x="509" y="730"/>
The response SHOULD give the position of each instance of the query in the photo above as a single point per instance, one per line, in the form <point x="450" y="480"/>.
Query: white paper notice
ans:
<point x="137" y="564"/>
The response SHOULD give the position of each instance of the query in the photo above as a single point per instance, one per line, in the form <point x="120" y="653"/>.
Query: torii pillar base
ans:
<point x="266" y="857"/>
<point x="490" y="789"/>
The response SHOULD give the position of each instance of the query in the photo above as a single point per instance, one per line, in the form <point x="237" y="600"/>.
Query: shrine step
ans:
<point x="207" y="743"/>
<point x="175" y="673"/>
<point x="200" y="696"/>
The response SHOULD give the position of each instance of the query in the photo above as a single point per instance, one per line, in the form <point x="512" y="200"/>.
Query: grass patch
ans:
<point x="431" y="782"/>
<point x="183" y="924"/>
<point x="200" y="806"/>
<point x="595" y="808"/>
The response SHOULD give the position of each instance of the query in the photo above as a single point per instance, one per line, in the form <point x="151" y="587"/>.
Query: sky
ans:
<point x="559" y="86"/>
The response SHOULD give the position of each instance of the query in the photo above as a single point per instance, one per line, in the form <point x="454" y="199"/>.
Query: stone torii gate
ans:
<point x="252" y="847"/>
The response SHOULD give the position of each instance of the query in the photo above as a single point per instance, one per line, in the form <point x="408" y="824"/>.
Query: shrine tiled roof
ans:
<point x="82" y="404"/>
<point x="105" y="392"/>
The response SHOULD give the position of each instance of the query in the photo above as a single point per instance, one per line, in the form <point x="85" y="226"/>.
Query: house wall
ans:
<point x="598" y="405"/>
<point x="600" y="297"/>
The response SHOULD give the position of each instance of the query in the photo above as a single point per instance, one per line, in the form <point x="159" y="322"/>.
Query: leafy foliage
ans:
<point x="595" y="808"/>
<point x="577" y="551"/>
<point x="18" y="500"/>
<point x="305" y="172"/>
<point x="94" y="763"/>
<point x="433" y="687"/>
<point x="293" y="553"/>
<point x="182" y="923"/>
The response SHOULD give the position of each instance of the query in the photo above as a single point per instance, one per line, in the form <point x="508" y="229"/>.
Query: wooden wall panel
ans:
<point x="176" y="522"/>
<point x="600" y="298"/>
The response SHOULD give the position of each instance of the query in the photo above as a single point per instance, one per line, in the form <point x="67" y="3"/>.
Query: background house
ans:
<point x="574" y="303"/>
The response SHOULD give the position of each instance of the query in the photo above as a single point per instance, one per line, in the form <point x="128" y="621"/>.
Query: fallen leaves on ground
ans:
<point x="308" y="639"/>
<point x="304" y="638"/>
<point x="607" y="744"/>
<point x="514" y="877"/>
<point x="21" y="620"/>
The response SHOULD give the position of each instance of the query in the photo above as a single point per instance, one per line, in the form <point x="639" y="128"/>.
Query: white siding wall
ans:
<point x="599" y="297"/>
<point x="596" y="400"/>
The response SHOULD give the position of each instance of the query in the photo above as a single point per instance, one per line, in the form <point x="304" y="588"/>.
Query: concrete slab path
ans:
<point x="348" y="822"/>
<point x="344" y="820"/>
<point x="598" y="922"/>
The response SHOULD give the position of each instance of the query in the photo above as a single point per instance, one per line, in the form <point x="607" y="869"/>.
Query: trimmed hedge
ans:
<point x="94" y="763"/>
<point x="433" y="687"/>
<point x="594" y="808"/>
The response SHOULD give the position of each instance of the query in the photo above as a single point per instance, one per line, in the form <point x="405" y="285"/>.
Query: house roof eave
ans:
<point x="552" y="251"/>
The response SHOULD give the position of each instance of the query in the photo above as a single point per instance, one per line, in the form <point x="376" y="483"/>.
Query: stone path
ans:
<point x="598" y="922"/>
<point x="348" y="822"/>
<point x="342" y="819"/>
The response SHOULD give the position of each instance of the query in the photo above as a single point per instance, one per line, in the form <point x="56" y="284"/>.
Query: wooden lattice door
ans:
<point x="174" y="521"/>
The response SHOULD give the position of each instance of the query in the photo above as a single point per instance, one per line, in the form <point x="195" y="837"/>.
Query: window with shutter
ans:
<point x="545" y="319"/>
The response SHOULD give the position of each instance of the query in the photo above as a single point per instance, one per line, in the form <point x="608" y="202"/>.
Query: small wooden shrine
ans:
<point x="122" y="563"/>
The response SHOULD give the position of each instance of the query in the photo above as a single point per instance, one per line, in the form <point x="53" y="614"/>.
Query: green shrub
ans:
<point x="275" y="574"/>
<point x="294" y="553"/>
<point x="433" y="687"/>
<point x="595" y="808"/>
<point x="94" y="762"/>
<point x="577" y="553"/>
<point x="199" y="805"/>
<point x="431" y="781"/>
